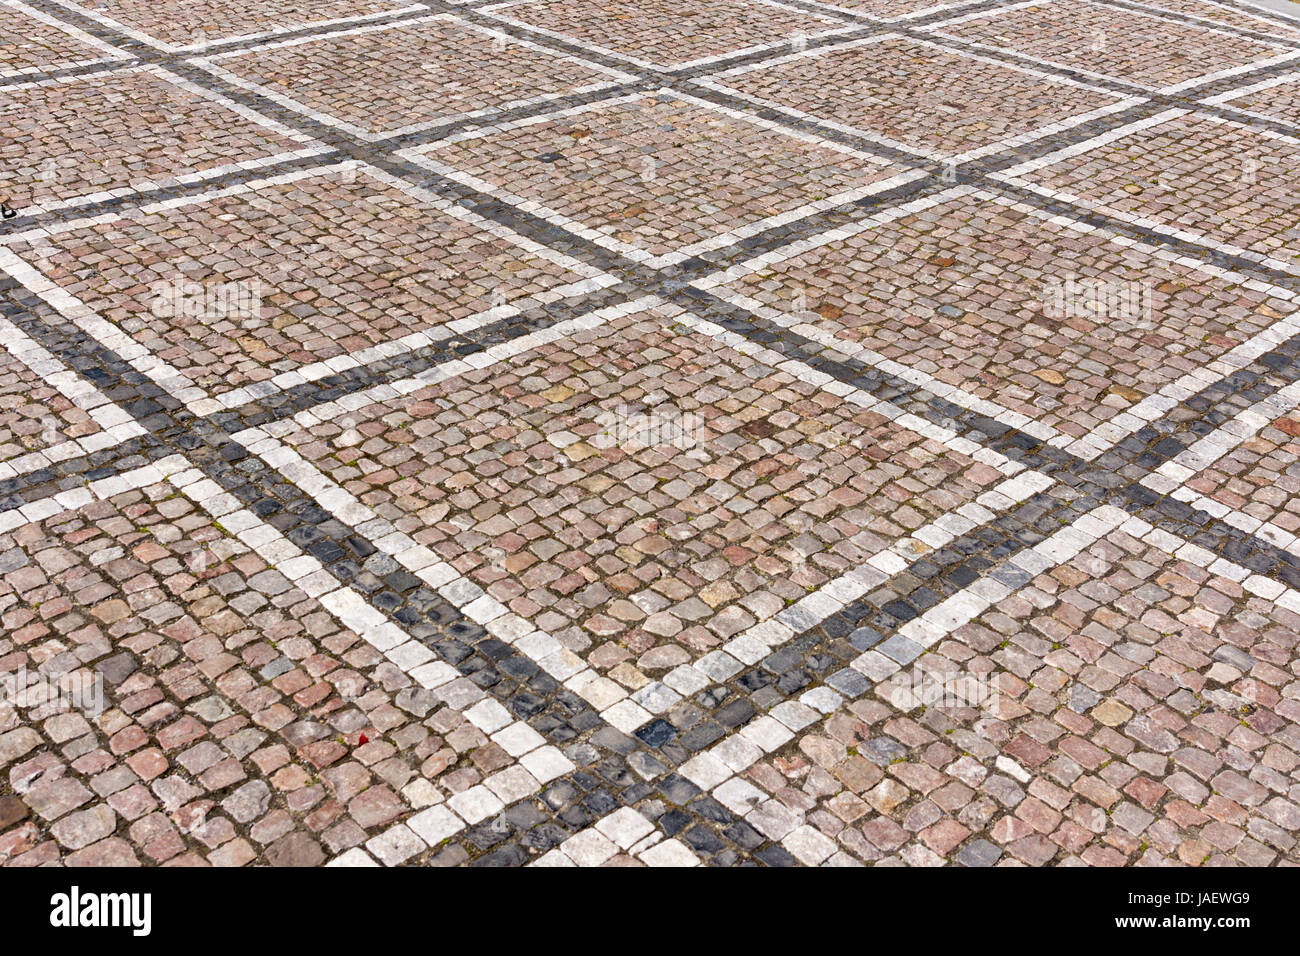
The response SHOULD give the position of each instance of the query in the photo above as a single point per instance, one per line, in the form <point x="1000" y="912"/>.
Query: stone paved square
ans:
<point x="392" y="79"/>
<point x="35" y="416"/>
<point x="664" y="165"/>
<point x="333" y="262"/>
<point x="1259" y="477"/>
<point x="649" y="493"/>
<point x="920" y="97"/>
<point x="238" y="713"/>
<point x="1088" y="680"/>
<point x="1277" y="99"/>
<point x="1137" y="48"/>
<point x="665" y="35"/>
<point x="183" y="24"/>
<point x="31" y="42"/>
<point x="1067" y="328"/>
<point x="859" y="433"/>
<point x="140" y="131"/>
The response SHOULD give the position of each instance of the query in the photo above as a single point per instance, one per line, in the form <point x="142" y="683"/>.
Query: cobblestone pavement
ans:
<point x="561" y="432"/>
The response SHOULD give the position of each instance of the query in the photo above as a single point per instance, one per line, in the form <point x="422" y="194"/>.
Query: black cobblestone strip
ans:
<point x="1285" y="19"/>
<point x="1158" y="102"/>
<point x="664" y="76"/>
<point x="613" y="769"/>
<point x="435" y="134"/>
<point x="319" y="29"/>
<point x="1244" y="264"/>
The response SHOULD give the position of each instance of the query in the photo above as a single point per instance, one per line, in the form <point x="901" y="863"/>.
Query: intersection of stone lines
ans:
<point x="1068" y="328"/>
<point x="333" y="261"/>
<point x="1123" y="45"/>
<point x="656" y="176"/>
<point x="639" y="491"/>
<point x="91" y="135"/>
<point x="1125" y="705"/>
<point x="226" y="693"/>
<point x="726" y="489"/>
<point x="667" y="35"/>
<point x="381" y="80"/>
<point x="193" y="23"/>
<point x="1199" y="175"/>
<point x="919" y="96"/>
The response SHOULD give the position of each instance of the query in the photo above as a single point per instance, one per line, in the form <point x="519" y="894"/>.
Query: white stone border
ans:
<point x="720" y="770"/>
<point x="1172" y="477"/>
<point x="165" y="47"/>
<point x="421" y="156"/>
<point x="1265" y="25"/>
<point x="535" y="761"/>
<point x="80" y="36"/>
<point x="623" y="710"/>
<point x="116" y="423"/>
<point x="196" y="399"/>
<point x="493" y="11"/>
<point x="611" y="700"/>
<point x="1277" y="12"/>
<point x="1225" y="99"/>
<point x="623" y="831"/>
<point x="936" y="7"/>
<point x="210" y="64"/>
<point x="717" y="82"/>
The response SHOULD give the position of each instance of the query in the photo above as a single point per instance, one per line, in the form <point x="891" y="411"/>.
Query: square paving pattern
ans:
<point x="651" y="492"/>
<point x="401" y="77"/>
<point x="129" y="127"/>
<point x="1065" y="327"/>
<point x="919" y="96"/>
<point x="662" y="168"/>
<point x="193" y="23"/>
<point x="608" y="433"/>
